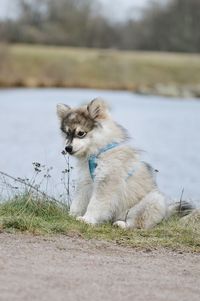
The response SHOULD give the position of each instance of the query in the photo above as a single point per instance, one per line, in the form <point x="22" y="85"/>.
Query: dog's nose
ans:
<point x="68" y="149"/>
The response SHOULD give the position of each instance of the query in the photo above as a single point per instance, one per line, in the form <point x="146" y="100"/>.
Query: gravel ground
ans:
<point x="64" y="268"/>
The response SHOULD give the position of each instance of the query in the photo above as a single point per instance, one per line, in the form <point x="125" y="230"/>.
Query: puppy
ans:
<point x="114" y="184"/>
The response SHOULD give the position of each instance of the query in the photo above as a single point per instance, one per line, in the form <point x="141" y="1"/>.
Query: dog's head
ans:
<point x="82" y="127"/>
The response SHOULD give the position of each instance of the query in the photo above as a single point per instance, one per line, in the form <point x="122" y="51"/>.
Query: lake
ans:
<point x="165" y="130"/>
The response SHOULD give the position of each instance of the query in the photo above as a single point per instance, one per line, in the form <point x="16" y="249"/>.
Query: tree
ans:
<point x="173" y="26"/>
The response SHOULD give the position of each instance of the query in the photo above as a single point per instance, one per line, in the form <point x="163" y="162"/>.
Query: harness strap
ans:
<point x="92" y="161"/>
<point x="133" y="170"/>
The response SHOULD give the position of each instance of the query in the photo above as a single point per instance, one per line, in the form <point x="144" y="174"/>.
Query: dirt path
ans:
<point x="70" y="269"/>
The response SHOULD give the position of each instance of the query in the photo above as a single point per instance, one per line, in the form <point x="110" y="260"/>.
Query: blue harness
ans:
<point x="92" y="160"/>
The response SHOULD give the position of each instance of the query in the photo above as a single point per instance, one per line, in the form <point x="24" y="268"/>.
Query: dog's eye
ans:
<point x="81" y="134"/>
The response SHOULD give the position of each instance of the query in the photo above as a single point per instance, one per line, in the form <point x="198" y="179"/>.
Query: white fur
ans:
<point x="128" y="201"/>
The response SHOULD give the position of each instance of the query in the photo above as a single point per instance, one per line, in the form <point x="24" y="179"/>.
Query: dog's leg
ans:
<point x="103" y="203"/>
<point x="98" y="211"/>
<point x="147" y="213"/>
<point x="80" y="202"/>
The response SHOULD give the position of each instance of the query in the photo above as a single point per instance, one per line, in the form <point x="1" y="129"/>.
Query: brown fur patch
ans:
<point x="78" y="118"/>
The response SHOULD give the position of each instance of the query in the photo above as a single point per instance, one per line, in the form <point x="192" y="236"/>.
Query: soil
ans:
<point x="69" y="268"/>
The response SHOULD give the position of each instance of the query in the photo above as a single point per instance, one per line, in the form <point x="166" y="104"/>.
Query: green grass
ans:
<point x="42" y="217"/>
<point x="45" y="66"/>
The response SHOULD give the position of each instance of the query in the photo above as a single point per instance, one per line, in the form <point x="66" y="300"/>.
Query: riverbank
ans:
<point x="41" y="217"/>
<point x="168" y="74"/>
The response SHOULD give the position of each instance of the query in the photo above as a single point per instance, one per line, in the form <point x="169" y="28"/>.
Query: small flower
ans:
<point x="65" y="170"/>
<point x="36" y="164"/>
<point x="37" y="169"/>
<point x="47" y="176"/>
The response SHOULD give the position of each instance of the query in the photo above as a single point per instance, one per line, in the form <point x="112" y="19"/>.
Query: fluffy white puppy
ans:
<point x="113" y="185"/>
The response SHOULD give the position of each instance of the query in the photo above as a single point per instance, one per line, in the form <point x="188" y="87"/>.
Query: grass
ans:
<point x="41" y="217"/>
<point x="145" y="72"/>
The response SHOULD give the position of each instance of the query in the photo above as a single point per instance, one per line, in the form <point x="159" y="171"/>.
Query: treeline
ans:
<point x="173" y="26"/>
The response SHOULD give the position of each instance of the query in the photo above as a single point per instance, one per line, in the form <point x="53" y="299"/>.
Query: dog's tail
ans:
<point x="181" y="209"/>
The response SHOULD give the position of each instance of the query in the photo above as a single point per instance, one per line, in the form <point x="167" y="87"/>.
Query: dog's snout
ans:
<point x="68" y="149"/>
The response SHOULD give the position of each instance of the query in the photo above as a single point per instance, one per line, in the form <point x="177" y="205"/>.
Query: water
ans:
<point x="167" y="131"/>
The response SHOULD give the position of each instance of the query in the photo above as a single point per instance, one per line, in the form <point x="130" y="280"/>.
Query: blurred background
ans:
<point x="141" y="56"/>
<point x="165" y="25"/>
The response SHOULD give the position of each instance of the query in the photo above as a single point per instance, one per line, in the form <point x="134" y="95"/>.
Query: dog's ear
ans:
<point x="62" y="110"/>
<point x="97" y="109"/>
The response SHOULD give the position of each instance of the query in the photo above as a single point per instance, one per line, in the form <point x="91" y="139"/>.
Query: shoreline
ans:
<point x="170" y="91"/>
<point x="146" y="73"/>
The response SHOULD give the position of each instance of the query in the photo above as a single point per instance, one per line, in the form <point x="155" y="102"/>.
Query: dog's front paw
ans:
<point x="80" y="218"/>
<point x="86" y="219"/>
<point x="121" y="224"/>
<point x="73" y="214"/>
